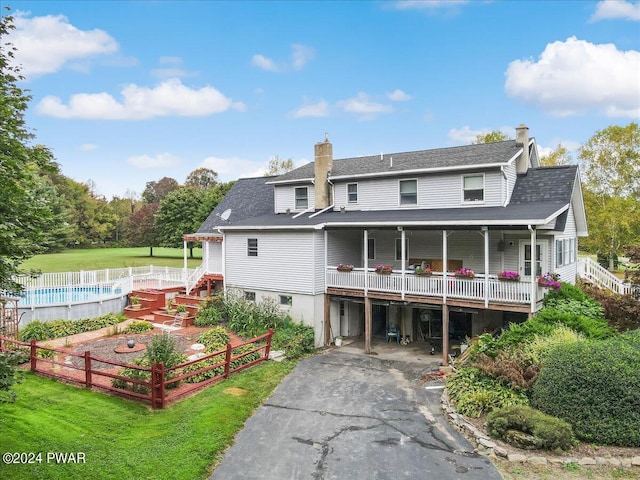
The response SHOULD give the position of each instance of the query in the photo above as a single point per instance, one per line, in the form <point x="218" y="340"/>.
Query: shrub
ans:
<point x="214" y="340"/>
<point x="208" y="362"/>
<point x="621" y="311"/>
<point x="163" y="349"/>
<point x="38" y="330"/>
<point x="537" y="350"/>
<point x="519" y="333"/>
<point x="295" y="339"/>
<point x="590" y="327"/>
<point x="511" y="366"/>
<point x="138" y="327"/>
<point x="134" y="374"/>
<point x="476" y="393"/>
<point x="550" y="433"/>
<point x="9" y="375"/>
<point x="208" y="316"/>
<point x="566" y="292"/>
<point x="594" y="385"/>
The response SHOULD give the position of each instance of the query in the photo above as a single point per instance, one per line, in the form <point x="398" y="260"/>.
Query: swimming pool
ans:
<point x="67" y="295"/>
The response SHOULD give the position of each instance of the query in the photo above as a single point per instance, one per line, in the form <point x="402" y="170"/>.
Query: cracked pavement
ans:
<point x="352" y="416"/>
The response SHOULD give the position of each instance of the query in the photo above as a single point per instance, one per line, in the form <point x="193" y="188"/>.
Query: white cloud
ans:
<point x="319" y="109"/>
<point x="572" y="77"/>
<point x="161" y="160"/>
<point x="427" y="4"/>
<point x="234" y="167"/>
<point x="466" y="135"/>
<point x="302" y="55"/>
<point x="169" y="98"/>
<point x="264" y="63"/>
<point x="87" y="147"/>
<point x="398" y="96"/>
<point x="45" y="44"/>
<point x="171" y="68"/>
<point x="364" y="106"/>
<point x="610" y="9"/>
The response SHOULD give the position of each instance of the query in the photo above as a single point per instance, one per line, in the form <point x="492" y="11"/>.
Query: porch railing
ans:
<point x="432" y="286"/>
<point x="594" y="272"/>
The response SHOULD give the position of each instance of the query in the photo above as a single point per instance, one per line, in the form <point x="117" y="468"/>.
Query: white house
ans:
<point x="489" y="208"/>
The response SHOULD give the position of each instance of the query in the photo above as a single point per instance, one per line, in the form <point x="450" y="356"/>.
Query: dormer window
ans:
<point x="302" y="198"/>
<point x="473" y="188"/>
<point x="408" y="192"/>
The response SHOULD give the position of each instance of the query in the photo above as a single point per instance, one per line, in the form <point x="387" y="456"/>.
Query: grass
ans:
<point x="122" y="439"/>
<point x="100" y="258"/>
<point x="572" y="471"/>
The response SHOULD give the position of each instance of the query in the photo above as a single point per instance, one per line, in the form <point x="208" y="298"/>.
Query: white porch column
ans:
<point x="186" y="277"/>
<point x="486" y="266"/>
<point x="534" y="269"/>
<point x="444" y="267"/>
<point x="366" y="262"/>
<point x="326" y="258"/>
<point x="404" y="258"/>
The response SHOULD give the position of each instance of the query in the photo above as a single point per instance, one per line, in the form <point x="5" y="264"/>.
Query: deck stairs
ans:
<point x="153" y="306"/>
<point x="594" y="273"/>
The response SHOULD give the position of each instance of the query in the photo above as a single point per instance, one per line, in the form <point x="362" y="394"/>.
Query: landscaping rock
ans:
<point x="615" y="462"/>
<point x="587" y="461"/>
<point x="516" y="457"/>
<point x="520" y="439"/>
<point x="625" y="462"/>
<point x="602" y="461"/>
<point x="538" y="460"/>
<point x="500" y="452"/>
<point x="486" y="443"/>
<point x="635" y="461"/>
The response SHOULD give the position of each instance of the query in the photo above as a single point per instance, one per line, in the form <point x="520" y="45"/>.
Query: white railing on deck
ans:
<point x="432" y="286"/>
<point x="195" y="276"/>
<point x="593" y="271"/>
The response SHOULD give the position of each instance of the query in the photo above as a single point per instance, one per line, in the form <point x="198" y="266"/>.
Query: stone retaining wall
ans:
<point x="486" y="446"/>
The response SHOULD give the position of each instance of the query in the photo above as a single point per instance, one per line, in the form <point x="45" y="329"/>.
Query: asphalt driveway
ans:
<point x="351" y="416"/>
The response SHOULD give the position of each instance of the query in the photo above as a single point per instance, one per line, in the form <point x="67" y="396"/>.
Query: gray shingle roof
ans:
<point x="248" y="198"/>
<point x="545" y="184"/>
<point x="462" y="156"/>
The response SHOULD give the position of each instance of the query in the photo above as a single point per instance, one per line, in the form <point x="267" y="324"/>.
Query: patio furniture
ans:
<point x="393" y="331"/>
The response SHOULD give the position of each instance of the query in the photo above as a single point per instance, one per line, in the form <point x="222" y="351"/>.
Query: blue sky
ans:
<point x="128" y="92"/>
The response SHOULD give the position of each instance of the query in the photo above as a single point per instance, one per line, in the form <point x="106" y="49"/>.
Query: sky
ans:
<point x="127" y="92"/>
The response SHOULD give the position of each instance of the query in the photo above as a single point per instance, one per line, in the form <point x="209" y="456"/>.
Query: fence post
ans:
<point x="157" y="385"/>
<point x="268" y="347"/>
<point x="87" y="369"/>
<point x="32" y="355"/>
<point x="227" y="361"/>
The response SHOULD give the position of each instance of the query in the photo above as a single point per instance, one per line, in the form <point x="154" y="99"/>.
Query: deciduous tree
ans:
<point x="202" y="179"/>
<point x="278" y="166"/>
<point x="155" y="192"/>
<point x="494" y="136"/>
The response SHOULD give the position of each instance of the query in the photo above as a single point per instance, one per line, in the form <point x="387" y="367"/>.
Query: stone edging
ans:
<point x="486" y="446"/>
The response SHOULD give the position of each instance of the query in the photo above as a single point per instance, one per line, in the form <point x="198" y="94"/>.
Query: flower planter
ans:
<point x="344" y="269"/>
<point x="383" y="272"/>
<point x="470" y="277"/>
<point x="423" y="274"/>
<point x="509" y="279"/>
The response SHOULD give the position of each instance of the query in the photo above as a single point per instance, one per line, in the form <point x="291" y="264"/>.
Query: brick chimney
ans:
<point x="522" y="138"/>
<point x="323" y="162"/>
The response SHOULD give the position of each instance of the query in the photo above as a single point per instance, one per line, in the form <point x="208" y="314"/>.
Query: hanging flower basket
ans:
<point x="509" y="276"/>
<point x="345" y="267"/>
<point x="422" y="272"/>
<point x="465" y="273"/>
<point x="549" y="280"/>
<point x="383" y="269"/>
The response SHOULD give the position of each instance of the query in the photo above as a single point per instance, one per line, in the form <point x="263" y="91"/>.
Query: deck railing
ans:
<point x="498" y="291"/>
<point x="594" y="272"/>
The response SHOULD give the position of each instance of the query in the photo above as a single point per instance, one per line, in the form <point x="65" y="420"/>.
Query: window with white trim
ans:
<point x="352" y="192"/>
<point x="408" y="192"/>
<point x="473" y="188"/>
<point x="286" y="300"/>
<point x="252" y="247"/>
<point x="399" y="248"/>
<point x="302" y="197"/>
<point x="565" y="252"/>
<point x="371" y="248"/>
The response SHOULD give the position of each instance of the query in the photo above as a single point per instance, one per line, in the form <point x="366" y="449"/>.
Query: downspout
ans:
<point x="534" y="261"/>
<point x="506" y="187"/>
<point x="224" y="264"/>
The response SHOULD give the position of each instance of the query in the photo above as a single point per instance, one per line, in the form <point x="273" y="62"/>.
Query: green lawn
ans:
<point x="100" y="258"/>
<point x="121" y="439"/>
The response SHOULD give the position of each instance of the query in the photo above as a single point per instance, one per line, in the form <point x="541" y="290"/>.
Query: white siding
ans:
<point x="214" y="262"/>
<point x="345" y="246"/>
<point x="285" y="198"/>
<point x="319" y="266"/>
<point x="285" y="261"/>
<point x="434" y="191"/>
<point x="510" y="172"/>
<point x="567" y="272"/>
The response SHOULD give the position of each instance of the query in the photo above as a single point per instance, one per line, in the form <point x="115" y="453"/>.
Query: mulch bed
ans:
<point x="104" y="348"/>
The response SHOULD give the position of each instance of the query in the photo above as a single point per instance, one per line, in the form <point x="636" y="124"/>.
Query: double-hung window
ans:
<point x="302" y="198"/>
<point x="399" y="248"/>
<point x="473" y="188"/>
<point x="408" y="192"/>
<point x="352" y="192"/>
<point x="565" y="251"/>
<point x="252" y="247"/>
<point x="371" y="248"/>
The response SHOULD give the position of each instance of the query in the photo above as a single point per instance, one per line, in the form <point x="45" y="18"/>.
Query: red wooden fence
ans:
<point x="157" y="383"/>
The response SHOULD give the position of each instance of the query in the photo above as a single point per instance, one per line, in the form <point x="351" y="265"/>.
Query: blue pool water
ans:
<point x="66" y="295"/>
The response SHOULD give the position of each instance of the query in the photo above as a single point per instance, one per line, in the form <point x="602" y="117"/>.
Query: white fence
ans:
<point x="497" y="291"/>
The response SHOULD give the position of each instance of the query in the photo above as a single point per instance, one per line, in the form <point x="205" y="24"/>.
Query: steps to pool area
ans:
<point x="153" y="306"/>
